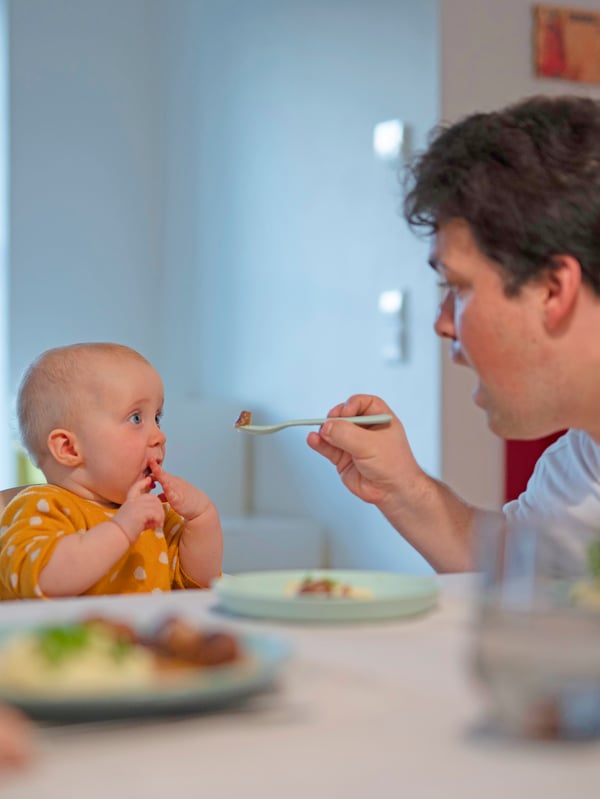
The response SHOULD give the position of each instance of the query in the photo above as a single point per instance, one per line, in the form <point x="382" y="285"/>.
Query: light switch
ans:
<point x="388" y="140"/>
<point x="392" y="304"/>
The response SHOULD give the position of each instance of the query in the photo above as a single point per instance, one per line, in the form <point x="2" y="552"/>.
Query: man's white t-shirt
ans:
<point x="561" y="505"/>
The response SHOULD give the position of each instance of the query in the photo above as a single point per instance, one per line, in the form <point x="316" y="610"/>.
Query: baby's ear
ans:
<point x="63" y="447"/>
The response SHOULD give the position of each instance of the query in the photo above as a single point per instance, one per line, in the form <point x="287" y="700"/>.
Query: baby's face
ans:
<point x="118" y="428"/>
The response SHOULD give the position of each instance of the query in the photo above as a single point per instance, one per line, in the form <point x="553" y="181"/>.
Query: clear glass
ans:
<point x="536" y="642"/>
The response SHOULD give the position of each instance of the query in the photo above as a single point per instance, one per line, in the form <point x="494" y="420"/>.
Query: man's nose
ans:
<point x="444" y="321"/>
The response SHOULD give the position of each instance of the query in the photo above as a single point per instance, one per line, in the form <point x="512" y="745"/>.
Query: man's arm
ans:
<point x="377" y="465"/>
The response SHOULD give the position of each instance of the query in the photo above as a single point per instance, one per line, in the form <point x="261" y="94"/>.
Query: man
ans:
<point x="512" y="201"/>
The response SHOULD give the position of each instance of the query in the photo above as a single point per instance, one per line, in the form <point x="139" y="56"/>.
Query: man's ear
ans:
<point x="561" y="284"/>
<point x="64" y="448"/>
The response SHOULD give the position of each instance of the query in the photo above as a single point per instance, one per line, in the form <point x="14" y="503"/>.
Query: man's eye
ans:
<point x="136" y="418"/>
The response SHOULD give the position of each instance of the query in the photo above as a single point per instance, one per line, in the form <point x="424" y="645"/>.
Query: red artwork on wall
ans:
<point x="567" y="43"/>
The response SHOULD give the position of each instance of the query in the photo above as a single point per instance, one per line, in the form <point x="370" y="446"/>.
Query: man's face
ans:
<point x="501" y="338"/>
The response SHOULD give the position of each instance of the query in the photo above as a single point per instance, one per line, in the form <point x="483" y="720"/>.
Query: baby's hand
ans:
<point x="187" y="500"/>
<point x="16" y="738"/>
<point x="140" y="510"/>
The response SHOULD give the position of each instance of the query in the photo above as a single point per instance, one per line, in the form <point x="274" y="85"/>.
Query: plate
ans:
<point x="263" y="594"/>
<point x="205" y="689"/>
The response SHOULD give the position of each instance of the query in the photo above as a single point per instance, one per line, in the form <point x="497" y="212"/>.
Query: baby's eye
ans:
<point x="158" y="418"/>
<point x="136" y="418"/>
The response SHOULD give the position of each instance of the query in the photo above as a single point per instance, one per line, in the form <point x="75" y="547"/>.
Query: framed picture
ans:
<point x="567" y="43"/>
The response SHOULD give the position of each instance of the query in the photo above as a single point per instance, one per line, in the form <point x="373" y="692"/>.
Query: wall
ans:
<point x="291" y="229"/>
<point x="85" y="176"/>
<point x="6" y="470"/>
<point x="486" y="62"/>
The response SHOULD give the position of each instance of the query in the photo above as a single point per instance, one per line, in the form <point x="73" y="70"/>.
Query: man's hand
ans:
<point x="375" y="463"/>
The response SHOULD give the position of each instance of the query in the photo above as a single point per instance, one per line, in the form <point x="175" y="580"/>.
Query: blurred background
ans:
<point x="198" y="179"/>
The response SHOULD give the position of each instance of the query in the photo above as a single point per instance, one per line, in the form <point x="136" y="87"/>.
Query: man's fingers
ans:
<point x="316" y="442"/>
<point x="351" y="438"/>
<point x="360" y="405"/>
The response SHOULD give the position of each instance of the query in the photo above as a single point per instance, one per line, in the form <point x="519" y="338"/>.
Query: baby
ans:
<point x="89" y="416"/>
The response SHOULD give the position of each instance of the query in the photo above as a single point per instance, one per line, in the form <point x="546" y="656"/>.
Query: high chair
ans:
<point x="7" y="494"/>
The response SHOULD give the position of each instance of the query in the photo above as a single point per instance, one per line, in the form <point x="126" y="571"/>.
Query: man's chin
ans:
<point x="509" y="428"/>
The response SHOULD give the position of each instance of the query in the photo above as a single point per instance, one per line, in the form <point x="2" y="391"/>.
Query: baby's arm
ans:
<point x="201" y="542"/>
<point x="79" y="561"/>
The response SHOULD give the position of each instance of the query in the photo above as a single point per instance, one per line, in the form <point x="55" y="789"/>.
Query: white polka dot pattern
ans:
<point x="140" y="573"/>
<point x="44" y="514"/>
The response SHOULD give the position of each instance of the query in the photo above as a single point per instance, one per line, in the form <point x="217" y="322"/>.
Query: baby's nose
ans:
<point x="158" y="438"/>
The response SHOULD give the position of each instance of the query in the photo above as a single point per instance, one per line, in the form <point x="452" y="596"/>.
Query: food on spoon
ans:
<point x="244" y="419"/>
<point x="98" y="655"/>
<point x="325" y="586"/>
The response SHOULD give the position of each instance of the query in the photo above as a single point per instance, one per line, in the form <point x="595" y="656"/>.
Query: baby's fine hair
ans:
<point x="526" y="179"/>
<point x="53" y="387"/>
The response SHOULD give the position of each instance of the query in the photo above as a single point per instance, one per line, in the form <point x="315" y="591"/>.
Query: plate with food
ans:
<point x="327" y="595"/>
<point x="99" y="668"/>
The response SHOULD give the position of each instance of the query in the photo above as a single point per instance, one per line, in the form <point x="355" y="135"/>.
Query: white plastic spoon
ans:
<point x="260" y="429"/>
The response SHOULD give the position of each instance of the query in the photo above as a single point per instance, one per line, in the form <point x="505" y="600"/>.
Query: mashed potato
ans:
<point x="586" y="594"/>
<point x="82" y="658"/>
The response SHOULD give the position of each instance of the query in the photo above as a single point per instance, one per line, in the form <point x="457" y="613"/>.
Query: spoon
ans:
<point x="260" y="429"/>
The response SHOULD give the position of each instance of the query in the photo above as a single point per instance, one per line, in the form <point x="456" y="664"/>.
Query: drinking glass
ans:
<point x="536" y="641"/>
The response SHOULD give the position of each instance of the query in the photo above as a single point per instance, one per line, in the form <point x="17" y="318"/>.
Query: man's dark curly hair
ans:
<point x="525" y="179"/>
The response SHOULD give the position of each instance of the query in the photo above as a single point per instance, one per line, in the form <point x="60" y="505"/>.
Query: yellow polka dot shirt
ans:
<point x="38" y="516"/>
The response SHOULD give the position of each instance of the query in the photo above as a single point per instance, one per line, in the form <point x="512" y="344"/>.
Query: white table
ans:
<point x="362" y="710"/>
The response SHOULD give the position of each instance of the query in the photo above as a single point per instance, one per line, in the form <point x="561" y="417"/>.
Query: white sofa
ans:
<point x="204" y="447"/>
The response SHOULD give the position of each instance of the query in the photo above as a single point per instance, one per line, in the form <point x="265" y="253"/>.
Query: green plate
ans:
<point x="263" y="595"/>
<point x="207" y="689"/>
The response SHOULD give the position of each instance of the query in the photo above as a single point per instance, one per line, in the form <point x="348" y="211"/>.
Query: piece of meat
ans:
<point x="243" y="419"/>
<point x="184" y="642"/>
<point x="316" y="587"/>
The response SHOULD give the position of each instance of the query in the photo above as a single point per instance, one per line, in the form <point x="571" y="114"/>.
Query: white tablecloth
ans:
<point x="361" y="710"/>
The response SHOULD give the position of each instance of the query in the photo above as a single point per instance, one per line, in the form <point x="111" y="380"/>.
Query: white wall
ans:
<point x="486" y="62"/>
<point x="6" y="444"/>
<point x="85" y="176"/>
<point x="297" y="230"/>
